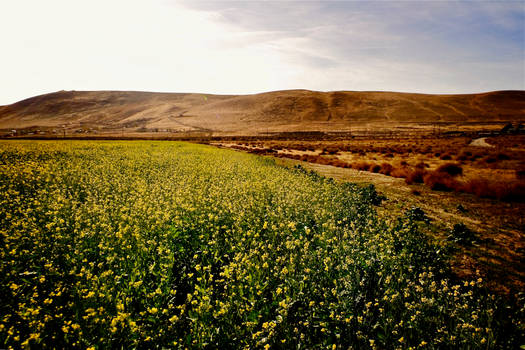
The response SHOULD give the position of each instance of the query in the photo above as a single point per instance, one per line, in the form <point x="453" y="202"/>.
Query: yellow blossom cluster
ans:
<point x="142" y="244"/>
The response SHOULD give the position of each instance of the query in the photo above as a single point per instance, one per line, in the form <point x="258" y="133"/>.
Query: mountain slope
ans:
<point x="289" y="110"/>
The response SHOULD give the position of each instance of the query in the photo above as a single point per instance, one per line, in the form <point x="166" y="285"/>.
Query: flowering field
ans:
<point x="174" y="245"/>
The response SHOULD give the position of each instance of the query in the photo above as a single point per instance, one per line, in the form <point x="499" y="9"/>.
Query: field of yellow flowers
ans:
<point x="139" y="244"/>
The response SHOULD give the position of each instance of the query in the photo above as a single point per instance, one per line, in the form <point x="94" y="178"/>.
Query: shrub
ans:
<point x="386" y="169"/>
<point x="370" y="194"/>
<point x="446" y="156"/>
<point x="502" y="156"/>
<point x="361" y="166"/>
<point x="464" y="155"/>
<point x="440" y="181"/>
<point x="399" y="172"/>
<point x="507" y="191"/>
<point x="452" y="169"/>
<point x="417" y="214"/>
<point x="338" y="163"/>
<point x="461" y="208"/>
<point x="330" y="150"/>
<point x="415" y="176"/>
<point x="461" y="234"/>
<point x="490" y="159"/>
<point x="375" y="168"/>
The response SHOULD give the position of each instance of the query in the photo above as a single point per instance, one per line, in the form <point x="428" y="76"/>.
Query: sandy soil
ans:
<point x="354" y="112"/>
<point x="481" y="142"/>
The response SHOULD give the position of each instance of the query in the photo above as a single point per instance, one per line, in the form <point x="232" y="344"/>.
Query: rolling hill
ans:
<point x="289" y="110"/>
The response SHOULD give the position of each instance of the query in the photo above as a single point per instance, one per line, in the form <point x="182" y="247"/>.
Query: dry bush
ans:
<point x="476" y="156"/>
<point x="440" y="181"/>
<point x="415" y="176"/>
<point x="375" y="168"/>
<point x="361" y="166"/>
<point x="386" y="169"/>
<point x="490" y="159"/>
<point x="452" y="169"/>
<point x="464" y="155"/>
<point x="507" y="191"/>
<point x="321" y="160"/>
<point x="422" y="165"/>
<point x="516" y="192"/>
<point x="479" y="187"/>
<point x="399" y="172"/>
<point x="330" y="150"/>
<point x="446" y="156"/>
<point x="338" y="163"/>
<point x="502" y="156"/>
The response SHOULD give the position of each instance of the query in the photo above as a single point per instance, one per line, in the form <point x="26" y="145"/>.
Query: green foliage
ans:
<point x="461" y="234"/>
<point x="370" y="195"/>
<point x="417" y="214"/>
<point x="172" y="245"/>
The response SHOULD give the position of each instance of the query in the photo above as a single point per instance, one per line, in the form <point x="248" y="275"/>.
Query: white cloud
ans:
<point x="240" y="47"/>
<point x="129" y="45"/>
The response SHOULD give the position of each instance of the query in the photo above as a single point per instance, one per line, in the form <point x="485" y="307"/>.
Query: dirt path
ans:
<point x="481" y="142"/>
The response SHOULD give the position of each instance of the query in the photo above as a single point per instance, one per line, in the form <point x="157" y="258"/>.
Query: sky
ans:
<point x="244" y="47"/>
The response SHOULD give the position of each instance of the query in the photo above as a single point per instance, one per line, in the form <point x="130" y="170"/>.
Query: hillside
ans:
<point x="291" y="110"/>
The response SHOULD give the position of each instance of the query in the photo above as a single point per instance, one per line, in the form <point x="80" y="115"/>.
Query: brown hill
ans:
<point x="290" y="110"/>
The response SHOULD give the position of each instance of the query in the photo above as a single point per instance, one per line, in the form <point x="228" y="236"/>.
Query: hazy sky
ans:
<point x="237" y="47"/>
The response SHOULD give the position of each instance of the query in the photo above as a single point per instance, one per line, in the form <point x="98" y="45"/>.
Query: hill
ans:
<point x="290" y="110"/>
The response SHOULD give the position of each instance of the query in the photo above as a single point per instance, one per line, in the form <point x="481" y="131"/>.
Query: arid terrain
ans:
<point x="339" y="113"/>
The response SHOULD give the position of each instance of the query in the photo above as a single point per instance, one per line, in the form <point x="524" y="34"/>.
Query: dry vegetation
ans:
<point x="445" y="164"/>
